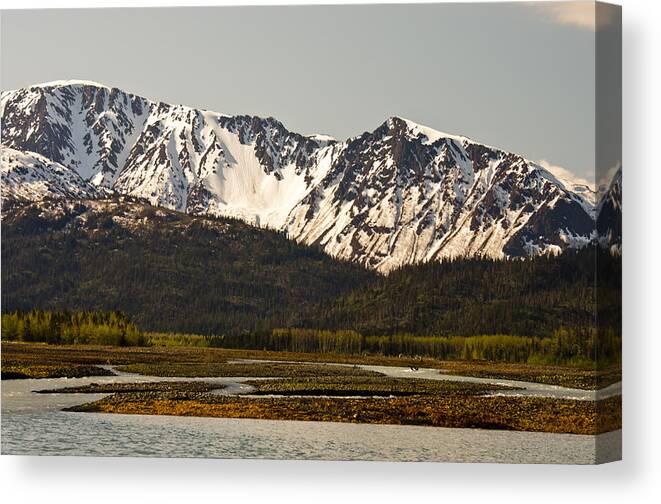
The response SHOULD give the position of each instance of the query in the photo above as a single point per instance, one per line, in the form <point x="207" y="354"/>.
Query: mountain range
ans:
<point x="400" y="194"/>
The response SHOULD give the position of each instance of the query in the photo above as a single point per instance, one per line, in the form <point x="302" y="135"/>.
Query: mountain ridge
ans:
<point x="399" y="194"/>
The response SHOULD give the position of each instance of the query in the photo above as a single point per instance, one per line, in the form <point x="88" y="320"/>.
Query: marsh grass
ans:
<point x="255" y="370"/>
<point x="565" y="376"/>
<point x="42" y="361"/>
<point x="122" y="388"/>
<point x="17" y="371"/>
<point x="507" y="413"/>
<point x="369" y="386"/>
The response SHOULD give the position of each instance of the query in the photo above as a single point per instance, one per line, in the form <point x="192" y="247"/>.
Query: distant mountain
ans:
<point x="400" y="194"/>
<point x="609" y="215"/>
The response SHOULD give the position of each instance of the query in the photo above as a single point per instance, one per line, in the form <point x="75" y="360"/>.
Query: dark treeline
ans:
<point x="71" y="328"/>
<point x="174" y="272"/>
<point x="113" y="328"/>
<point x="564" y="346"/>
<point x="465" y="297"/>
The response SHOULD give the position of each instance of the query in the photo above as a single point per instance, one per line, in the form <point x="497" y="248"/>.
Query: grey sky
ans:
<point x="515" y="76"/>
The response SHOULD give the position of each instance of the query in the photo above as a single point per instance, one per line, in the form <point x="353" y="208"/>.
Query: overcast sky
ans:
<point x="516" y="76"/>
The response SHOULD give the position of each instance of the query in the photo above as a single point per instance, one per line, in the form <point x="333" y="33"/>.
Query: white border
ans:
<point x="101" y="480"/>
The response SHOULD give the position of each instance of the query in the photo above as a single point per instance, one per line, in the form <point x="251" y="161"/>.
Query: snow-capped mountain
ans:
<point x="400" y="194"/>
<point x="85" y="126"/>
<point x="405" y="193"/>
<point x="174" y="156"/>
<point x="27" y="176"/>
<point x="609" y="215"/>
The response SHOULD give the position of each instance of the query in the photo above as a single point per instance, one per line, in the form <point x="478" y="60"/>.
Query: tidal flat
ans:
<point x="302" y="387"/>
<point x="32" y="359"/>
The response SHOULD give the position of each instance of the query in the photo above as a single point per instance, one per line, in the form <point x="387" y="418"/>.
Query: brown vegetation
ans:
<point x="29" y="359"/>
<point x="369" y="386"/>
<point x="123" y="388"/>
<point x="509" y="413"/>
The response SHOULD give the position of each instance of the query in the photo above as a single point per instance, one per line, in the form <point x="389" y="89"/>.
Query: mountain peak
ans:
<point x="70" y="82"/>
<point x="401" y="124"/>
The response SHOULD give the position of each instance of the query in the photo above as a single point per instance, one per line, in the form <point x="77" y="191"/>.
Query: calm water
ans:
<point x="33" y="424"/>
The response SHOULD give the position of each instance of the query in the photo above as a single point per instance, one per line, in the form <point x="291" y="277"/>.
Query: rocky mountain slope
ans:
<point x="405" y="193"/>
<point x="400" y="194"/>
<point x="609" y="215"/>
<point x="32" y="177"/>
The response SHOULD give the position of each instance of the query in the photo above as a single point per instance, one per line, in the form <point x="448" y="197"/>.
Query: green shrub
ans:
<point x="71" y="328"/>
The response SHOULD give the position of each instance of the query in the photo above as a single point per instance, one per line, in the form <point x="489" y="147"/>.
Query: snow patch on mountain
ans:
<point x="27" y="176"/>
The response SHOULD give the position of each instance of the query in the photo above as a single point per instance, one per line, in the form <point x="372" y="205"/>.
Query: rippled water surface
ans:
<point x="33" y="424"/>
